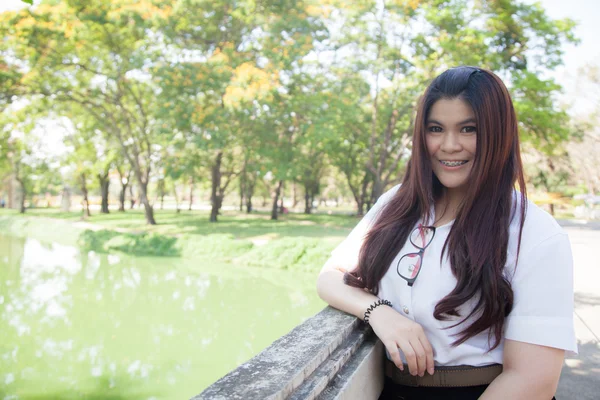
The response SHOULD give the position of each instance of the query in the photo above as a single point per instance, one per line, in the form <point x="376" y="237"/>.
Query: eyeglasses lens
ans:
<point x="409" y="265"/>
<point x="421" y="237"/>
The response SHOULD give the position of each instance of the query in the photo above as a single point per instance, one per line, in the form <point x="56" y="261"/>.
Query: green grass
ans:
<point x="295" y="241"/>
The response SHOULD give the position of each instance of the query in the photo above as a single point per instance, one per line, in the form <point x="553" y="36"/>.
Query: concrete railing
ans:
<point x="330" y="356"/>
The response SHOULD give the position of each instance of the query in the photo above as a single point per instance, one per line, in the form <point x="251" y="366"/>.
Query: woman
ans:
<point x="472" y="274"/>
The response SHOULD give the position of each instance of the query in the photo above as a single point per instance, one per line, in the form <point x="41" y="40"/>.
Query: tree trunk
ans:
<point x="124" y="182"/>
<point x="249" y="206"/>
<point x="85" y="202"/>
<point x="191" y="193"/>
<point x="294" y="195"/>
<point x="104" y="184"/>
<point x="275" y="199"/>
<point x="176" y="198"/>
<point x="552" y="172"/>
<point x="250" y="185"/>
<point x="148" y="211"/>
<point x="281" y="200"/>
<point x="65" y="201"/>
<point x="376" y="191"/>
<point x="162" y="194"/>
<point x="131" y="198"/>
<point x="10" y="193"/>
<point x="122" y="197"/>
<point x="362" y="199"/>
<point x="23" y="196"/>
<point x="242" y="188"/>
<point x="216" y="184"/>
<point x="307" y="205"/>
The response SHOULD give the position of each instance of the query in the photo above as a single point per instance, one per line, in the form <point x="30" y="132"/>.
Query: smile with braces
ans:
<point x="453" y="163"/>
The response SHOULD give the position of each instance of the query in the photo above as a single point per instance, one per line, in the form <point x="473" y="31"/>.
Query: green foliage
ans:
<point x="221" y="246"/>
<point x="302" y="243"/>
<point x="278" y="89"/>
<point x="95" y="240"/>
<point x="145" y="244"/>
<point x="293" y="253"/>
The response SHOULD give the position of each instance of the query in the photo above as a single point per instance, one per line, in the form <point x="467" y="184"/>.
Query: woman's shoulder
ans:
<point x="538" y="227"/>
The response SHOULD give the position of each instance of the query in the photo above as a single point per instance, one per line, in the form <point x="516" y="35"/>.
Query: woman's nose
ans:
<point x="451" y="142"/>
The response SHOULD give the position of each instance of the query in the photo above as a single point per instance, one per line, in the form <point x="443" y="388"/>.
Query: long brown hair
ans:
<point x="478" y="240"/>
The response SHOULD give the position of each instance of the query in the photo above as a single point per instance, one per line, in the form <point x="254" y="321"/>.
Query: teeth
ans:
<point x="453" y="163"/>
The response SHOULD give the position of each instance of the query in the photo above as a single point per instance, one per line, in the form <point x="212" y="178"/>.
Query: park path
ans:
<point x="580" y="379"/>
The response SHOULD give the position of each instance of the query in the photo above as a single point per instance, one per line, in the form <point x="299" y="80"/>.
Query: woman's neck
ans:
<point x="446" y="208"/>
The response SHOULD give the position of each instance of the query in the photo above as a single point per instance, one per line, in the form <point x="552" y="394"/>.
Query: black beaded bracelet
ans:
<point x="372" y="307"/>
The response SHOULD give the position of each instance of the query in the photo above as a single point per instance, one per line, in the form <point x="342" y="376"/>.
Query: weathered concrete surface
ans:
<point x="288" y="362"/>
<point x="580" y="378"/>
<point x="362" y="377"/>
<point x="318" y="380"/>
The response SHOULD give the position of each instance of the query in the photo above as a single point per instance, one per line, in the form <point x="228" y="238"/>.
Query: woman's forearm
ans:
<point x="515" y="386"/>
<point x="332" y="289"/>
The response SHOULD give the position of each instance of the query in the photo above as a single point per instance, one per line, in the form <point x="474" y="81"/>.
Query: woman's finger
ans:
<point x="409" y="355"/>
<point x="420" y="356"/>
<point x="428" y="354"/>
<point x="392" y="348"/>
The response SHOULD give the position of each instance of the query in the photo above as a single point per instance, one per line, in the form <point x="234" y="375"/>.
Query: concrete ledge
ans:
<point x="362" y="377"/>
<point x="320" y="379"/>
<point x="304" y="364"/>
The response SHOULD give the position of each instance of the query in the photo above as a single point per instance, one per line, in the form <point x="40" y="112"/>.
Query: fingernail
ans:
<point x="430" y="371"/>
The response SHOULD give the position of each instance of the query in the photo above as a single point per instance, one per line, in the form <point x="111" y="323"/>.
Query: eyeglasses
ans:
<point x="409" y="265"/>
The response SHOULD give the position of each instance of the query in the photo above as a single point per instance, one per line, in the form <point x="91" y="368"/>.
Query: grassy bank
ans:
<point x="296" y="241"/>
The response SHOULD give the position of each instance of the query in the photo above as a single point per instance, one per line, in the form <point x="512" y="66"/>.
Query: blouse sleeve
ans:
<point x="542" y="310"/>
<point x="345" y="255"/>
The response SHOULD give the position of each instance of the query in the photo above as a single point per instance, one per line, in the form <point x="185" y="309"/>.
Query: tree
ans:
<point x="9" y="89"/>
<point x="377" y="43"/>
<point x="244" y="50"/>
<point x="124" y="172"/>
<point x="584" y="153"/>
<point x="95" y="57"/>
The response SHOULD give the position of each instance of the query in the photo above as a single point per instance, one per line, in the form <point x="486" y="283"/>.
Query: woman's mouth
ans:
<point x="453" y="163"/>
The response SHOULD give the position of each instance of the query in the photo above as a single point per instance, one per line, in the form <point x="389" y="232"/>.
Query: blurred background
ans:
<point x="173" y="174"/>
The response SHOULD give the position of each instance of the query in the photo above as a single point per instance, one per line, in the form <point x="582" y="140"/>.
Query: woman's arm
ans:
<point x="530" y="372"/>
<point x="332" y="289"/>
<point x="395" y="331"/>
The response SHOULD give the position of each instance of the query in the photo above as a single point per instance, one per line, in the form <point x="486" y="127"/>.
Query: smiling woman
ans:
<point x="468" y="285"/>
<point x="451" y="142"/>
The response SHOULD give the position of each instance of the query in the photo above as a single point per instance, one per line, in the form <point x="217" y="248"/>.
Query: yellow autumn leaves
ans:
<point x="248" y="83"/>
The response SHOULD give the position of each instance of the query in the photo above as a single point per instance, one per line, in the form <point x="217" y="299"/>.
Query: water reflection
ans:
<point x="76" y="324"/>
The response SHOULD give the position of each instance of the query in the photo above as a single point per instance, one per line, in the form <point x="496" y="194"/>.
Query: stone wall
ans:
<point x="330" y="356"/>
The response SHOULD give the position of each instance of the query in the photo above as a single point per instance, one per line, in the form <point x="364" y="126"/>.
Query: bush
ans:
<point x="145" y="244"/>
<point x="298" y="253"/>
<point x="216" y="246"/>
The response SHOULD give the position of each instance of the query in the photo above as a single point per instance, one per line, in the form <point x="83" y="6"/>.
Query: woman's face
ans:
<point x="451" y="139"/>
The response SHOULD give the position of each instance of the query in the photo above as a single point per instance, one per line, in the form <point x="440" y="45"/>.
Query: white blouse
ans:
<point x="542" y="284"/>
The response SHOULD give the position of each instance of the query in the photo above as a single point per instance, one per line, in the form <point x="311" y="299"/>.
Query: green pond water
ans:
<point x="83" y="325"/>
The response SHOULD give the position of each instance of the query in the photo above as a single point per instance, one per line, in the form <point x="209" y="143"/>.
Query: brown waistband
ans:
<point x="458" y="376"/>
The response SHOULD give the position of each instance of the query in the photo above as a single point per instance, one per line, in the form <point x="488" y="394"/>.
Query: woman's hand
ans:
<point x="393" y="329"/>
<point x="397" y="332"/>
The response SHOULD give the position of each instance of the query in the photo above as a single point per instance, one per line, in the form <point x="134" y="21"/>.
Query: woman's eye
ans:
<point x="436" y="129"/>
<point x="469" y="129"/>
